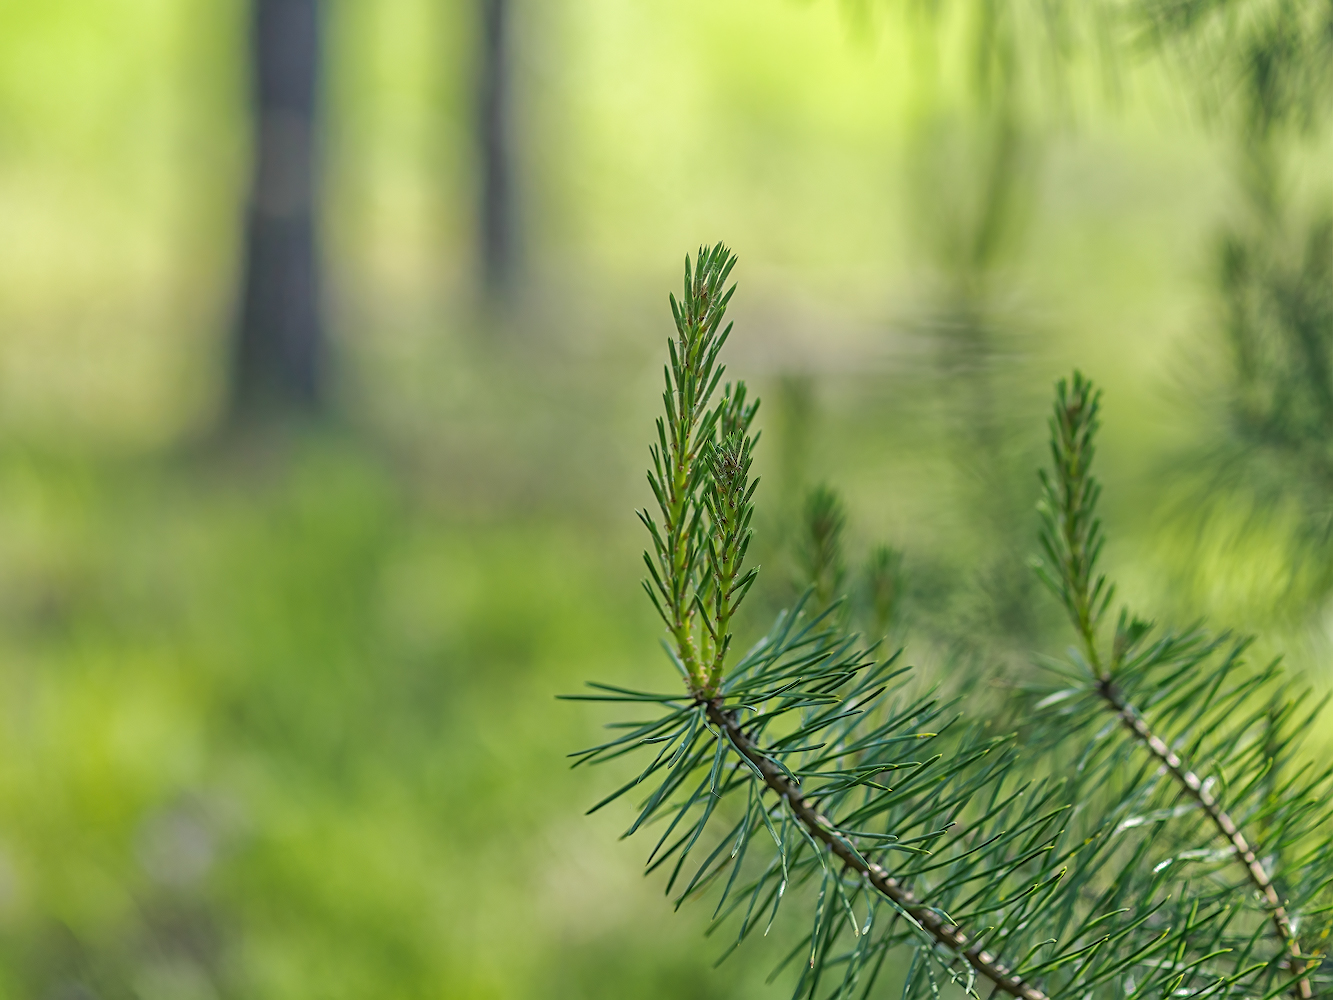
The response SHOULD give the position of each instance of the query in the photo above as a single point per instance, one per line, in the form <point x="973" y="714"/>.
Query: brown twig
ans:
<point x="1224" y="823"/>
<point x="947" y="934"/>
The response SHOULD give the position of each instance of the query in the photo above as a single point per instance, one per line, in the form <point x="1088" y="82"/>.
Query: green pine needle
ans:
<point x="1153" y="833"/>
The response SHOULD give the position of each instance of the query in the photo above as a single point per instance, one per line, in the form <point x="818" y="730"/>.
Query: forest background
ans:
<point x="276" y="683"/>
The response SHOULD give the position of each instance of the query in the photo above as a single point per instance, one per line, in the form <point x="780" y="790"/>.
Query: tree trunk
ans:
<point x="279" y="350"/>
<point x="496" y="225"/>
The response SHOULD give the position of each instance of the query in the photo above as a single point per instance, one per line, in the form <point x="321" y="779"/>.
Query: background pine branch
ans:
<point x="1203" y="709"/>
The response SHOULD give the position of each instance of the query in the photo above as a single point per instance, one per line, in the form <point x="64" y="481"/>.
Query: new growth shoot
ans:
<point x="700" y="480"/>
<point x="1071" y="533"/>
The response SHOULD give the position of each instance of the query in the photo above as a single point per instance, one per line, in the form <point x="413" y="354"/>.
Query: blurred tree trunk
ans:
<point x="279" y="347"/>
<point x="497" y="234"/>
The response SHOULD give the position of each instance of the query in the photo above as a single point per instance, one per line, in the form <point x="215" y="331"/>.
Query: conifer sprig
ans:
<point x="821" y="554"/>
<point x="728" y="499"/>
<point x="883" y="586"/>
<point x="812" y="765"/>
<point x="809" y="717"/>
<point x="1205" y="711"/>
<point x="685" y="439"/>
<point x="1071" y="531"/>
<point x="935" y="923"/>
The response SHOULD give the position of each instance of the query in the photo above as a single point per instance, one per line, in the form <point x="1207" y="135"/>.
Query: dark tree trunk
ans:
<point x="279" y="349"/>
<point x="496" y="225"/>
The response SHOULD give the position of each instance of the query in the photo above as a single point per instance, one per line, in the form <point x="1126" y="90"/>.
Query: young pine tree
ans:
<point x="1153" y="830"/>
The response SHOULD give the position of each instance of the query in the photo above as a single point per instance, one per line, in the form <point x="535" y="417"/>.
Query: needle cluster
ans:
<point x="699" y="478"/>
<point x="1152" y="832"/>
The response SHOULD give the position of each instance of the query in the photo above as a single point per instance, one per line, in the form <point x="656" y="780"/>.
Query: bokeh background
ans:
<point x="281" y="625"/>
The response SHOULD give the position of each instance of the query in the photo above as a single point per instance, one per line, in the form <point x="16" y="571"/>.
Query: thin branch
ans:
<point x="952" y="937"/>
<point x="1224" y="823"/>
<point x="1073" y="540"/>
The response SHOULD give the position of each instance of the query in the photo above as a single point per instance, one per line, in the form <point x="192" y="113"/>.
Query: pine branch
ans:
<point x="1072" y="540"/>
<point x="821" y="554"/>
<point x="821" y="828"/>
<point x="948" y="842"/>
<point x="705" y="498"/>
<point x="1226" y="826"/>
<point x="728" y="503"/>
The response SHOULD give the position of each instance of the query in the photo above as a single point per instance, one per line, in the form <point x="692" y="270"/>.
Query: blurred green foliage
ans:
<point x="279" y="731"/>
